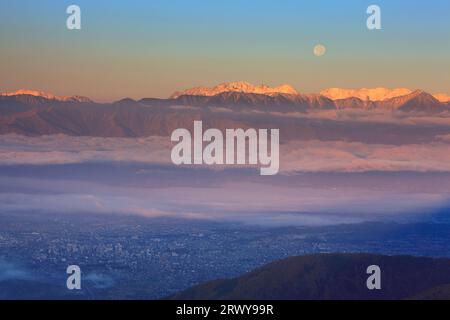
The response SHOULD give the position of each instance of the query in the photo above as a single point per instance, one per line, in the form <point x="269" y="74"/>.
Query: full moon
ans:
<point x="319" y="50"/>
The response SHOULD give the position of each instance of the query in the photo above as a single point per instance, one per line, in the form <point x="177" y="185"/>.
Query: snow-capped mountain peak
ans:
<point x="239" y="86"/>
<point x="45" y="95"/>
<point x="365" y="94"/>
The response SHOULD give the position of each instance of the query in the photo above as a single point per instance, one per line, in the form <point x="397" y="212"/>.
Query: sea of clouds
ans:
<point x="320" y="182"/>
<point x="295" y="156"/>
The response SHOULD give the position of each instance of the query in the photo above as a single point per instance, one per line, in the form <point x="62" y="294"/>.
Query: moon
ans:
<point x="319" y="50"/>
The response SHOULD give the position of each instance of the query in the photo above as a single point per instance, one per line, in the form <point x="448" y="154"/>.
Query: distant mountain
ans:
<point x="285" y="98"/>
<point x="36" y="113"/>
<point x="44" y="95"/>
<point x="240" y="86"/>
<point x="375" y="94"/>
<point x="332" y="277"/>
<point x="417" y="101"/>
<point x="363" y="94"/>
<point x="238" y="100"/>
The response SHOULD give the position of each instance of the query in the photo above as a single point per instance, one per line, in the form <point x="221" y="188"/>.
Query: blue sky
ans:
<point x="152" y="48"/>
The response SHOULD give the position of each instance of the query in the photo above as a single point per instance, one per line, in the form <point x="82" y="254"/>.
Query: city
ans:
<point x="152" y="258"/>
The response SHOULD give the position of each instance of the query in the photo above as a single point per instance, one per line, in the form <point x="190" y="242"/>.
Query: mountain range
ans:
<point x="281" y="98"/>
<point x="365" y="94"/>
<point x="239" y="86"/>
<point x="45" y="95"/>
<point x="332" y="277"/>
<point x="238" y="104"/>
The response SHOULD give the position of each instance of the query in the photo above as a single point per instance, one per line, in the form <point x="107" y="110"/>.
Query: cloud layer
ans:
<point x="295" y="156"/>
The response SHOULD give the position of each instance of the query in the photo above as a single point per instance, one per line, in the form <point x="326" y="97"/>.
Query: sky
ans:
<point x="152" y="48"/>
